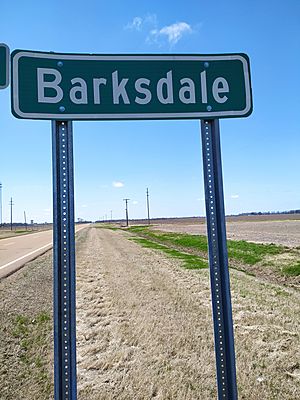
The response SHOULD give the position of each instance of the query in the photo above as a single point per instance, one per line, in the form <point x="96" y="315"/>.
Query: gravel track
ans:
<point x="139" y="335"/>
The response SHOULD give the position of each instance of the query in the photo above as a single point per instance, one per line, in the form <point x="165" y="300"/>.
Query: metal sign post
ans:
<point x="64" y="262"/>
<point x="218" y="261"/>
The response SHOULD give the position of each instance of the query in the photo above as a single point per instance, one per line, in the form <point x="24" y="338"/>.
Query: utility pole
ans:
<point x="111" y="216"/>
<point x="148" y="207"/>
<point x="11" y="213"/>
<point x="1" y="204"/>
<point x="25" y="220"/>
<point x="126" y="201"/>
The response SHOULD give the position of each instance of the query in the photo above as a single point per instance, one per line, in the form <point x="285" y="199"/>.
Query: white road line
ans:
<point x="26" y="255"/>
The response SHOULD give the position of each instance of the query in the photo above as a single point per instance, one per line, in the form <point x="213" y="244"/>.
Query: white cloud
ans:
<point x="173" y="32"/>
<point x="170" y="33"/>
<point x="118" y="184"/>
<point x="234" y="196"/>
<point x="135" y="24"/>
<point x="135" y="202"/>
<point x="138" y="23"/>
<point x="151" y="19"/>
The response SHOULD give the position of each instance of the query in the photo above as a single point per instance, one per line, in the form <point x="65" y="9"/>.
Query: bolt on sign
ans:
<point x="4" y="66"/>
<point x="107" y="87"/>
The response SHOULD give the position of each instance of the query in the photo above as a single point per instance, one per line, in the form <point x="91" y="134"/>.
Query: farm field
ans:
<point x="282" y="229"/>
<point x="144" y="327"/>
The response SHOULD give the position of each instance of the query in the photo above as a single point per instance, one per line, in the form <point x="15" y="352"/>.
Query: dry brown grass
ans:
<point x="26" y="358"/>
<point x="136" y="339"/>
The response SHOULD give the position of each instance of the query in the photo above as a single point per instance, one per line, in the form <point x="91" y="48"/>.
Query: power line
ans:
<point x="148" y="210"/>
<point x="11" y="213"/>
<point x="25" y="220"/>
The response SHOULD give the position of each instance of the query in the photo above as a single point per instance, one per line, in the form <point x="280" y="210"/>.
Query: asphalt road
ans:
<point x="17" y="251"/>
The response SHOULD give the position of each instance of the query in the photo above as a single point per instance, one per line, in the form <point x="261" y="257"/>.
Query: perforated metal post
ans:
<point x="218" y="261"/>
<point x="64" y="263"/>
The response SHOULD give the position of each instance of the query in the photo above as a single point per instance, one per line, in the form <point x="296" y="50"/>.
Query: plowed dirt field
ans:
<point x="281" y="232"/>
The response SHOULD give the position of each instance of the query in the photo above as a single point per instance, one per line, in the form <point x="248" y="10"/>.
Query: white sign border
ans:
<point x="135" y="116"/>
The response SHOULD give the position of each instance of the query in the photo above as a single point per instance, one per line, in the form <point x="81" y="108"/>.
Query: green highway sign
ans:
<point x="116" y="87"/>
<point x="4" y="66"/>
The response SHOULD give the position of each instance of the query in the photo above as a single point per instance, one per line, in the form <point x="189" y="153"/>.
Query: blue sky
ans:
<point x="114" y="160"/>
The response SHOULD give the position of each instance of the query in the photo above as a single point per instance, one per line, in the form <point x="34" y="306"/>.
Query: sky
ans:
<point x="117" y="160"/>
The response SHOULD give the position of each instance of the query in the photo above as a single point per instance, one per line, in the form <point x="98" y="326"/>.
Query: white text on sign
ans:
<point x="164" y="92"/>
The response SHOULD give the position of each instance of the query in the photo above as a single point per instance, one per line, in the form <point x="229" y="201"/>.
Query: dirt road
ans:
<point x="145" y="331"/>
<point x="139" y="334"/>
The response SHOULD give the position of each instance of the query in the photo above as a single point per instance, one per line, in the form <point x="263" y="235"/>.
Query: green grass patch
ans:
<point x="21" y="329"/>
<point x="139" y="228"/>
<point x="189" y="261"/>
<point x="292" y="270"/>
<point x="251" y="253"/>
<point x="32" y="335"/>
<point x="281" y="292"/>
<point x="178" y="239"/>
<point x="242" y="255"/>
<point x="239" y="250"/>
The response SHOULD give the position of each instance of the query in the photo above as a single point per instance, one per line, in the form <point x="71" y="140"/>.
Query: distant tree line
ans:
<point x="271" y="212"/>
